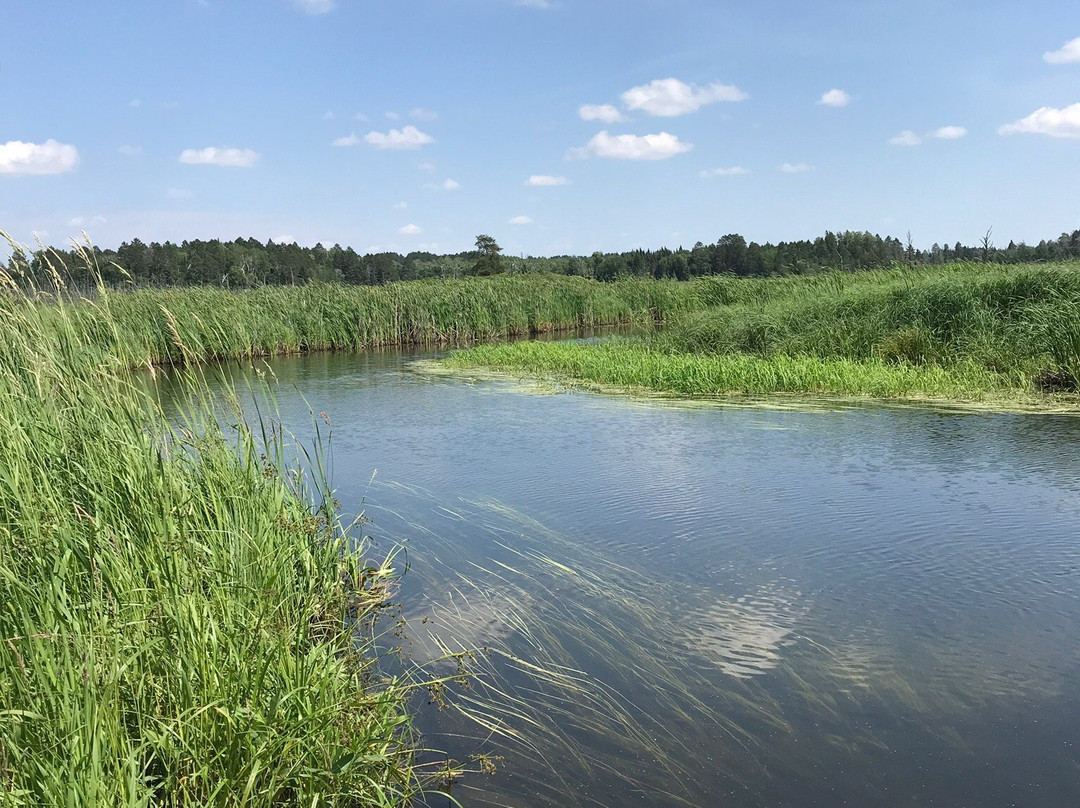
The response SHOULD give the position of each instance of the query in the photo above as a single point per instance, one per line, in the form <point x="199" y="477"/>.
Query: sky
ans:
<point x="556" y="126"/>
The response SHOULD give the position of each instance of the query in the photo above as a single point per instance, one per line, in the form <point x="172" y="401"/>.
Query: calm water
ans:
<point x="721" y="606"/>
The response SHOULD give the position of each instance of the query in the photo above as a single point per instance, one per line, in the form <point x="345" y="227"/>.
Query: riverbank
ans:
<point x="185" y="621"/>
<point x="1009" y="336"/>
<point x="206" y="324"/>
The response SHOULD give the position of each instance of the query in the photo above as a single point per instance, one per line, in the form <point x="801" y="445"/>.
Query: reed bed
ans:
<point x="203" y="324"/>
<point x="966" y="332"/>
<point x="184" y="620"/>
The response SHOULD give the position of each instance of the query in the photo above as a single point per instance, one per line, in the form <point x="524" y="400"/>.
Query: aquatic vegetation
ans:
<point x="626" y="364"/>
<point x="966" y="332"/>
<point x="202" y="324"/>
<point x="185" y="621"/>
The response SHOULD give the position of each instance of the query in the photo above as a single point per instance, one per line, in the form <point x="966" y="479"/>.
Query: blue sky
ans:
<point x="557" y="126"/>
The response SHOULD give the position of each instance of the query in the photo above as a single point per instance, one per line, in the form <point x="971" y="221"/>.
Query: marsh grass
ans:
<point x="184" y="619"/>
<point x="966" y="332"/>
<point x="204" y="324"/>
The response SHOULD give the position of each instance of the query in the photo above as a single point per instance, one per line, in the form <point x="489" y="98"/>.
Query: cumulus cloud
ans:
<point x="905" y="138"/>
<point x="1066" y="54"/>
<point x="949" y="132"/>
<point x="410" y="230"/>
<point x="734" y="171"/>
<point x="451" y="185"/>
<point x="670" y="97"/>
<point x="521" y="220"/>
<point x="835" y="98"/>
<point x="796" y="168"/>
<point x="423" y="114"/>
<point x="545" y="180"/>
<point x="50" y="157"/>
<point x="211" y="156"/>
<point x="600" y="112"/>
<point x="1047" y="121"/>
<point x="315" y="6"/>
<point x="632" y="147"/>
<point x="408" y="137"/>
<point x="349" y="140"/>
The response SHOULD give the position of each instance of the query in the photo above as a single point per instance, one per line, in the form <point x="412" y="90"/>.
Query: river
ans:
<point x="716" y="605"/>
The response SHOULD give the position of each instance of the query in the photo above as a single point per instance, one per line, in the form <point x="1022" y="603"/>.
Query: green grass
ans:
<point x="626" y="364"/>
<point x="174" y="326"/>
<point x="183" y="621"/>
<point x="964" y="332"/>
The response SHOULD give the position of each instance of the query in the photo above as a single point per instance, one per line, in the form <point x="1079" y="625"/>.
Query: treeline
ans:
<point x="247" y="263"/>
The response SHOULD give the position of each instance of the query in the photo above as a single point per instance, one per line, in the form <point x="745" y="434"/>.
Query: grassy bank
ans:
<point x="177" y="626"/>
<point x="967" y="332"/>
<point x="171" y="326"/>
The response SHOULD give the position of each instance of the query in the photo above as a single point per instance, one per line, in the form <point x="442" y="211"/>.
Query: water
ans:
<point x="864" y="606"/>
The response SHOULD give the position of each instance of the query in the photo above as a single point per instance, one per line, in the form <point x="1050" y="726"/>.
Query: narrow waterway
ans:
<point x="722" y="606"/>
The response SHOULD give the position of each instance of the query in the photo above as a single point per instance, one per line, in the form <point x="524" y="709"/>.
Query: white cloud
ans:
<point x="1066" y="54"/>
<point x="905" y="138"/>
<point x="451" y="185"/>
<point x="400" y="206"/>
<point x="521" y="220"/>
<point x="600" y="112"/>
<point x="545" y="180"/>
<point x="426" y="166"/>
<point x="734" y="171"/>
<point x="535" y="3"/>
<point x="835" y="98"/>
<point x="210" y="156"/>
<point x="50" y="157"/>
<point x="286" y="238"/>
<point x="796" y="168"/>
<point x="1047" y="121"/>
<point x="134" y="102"/>
<point x="671" y="97"/>
<point x="392" y="116"/>
<point x="360" y="117"/>
<point x="949" y="132"/>
<point x="328" y="115"/>
<point x="349" y="140"/>
<point x="408" y="137"/>
<point x="178" y="193"/>
<point x="315" y="6"/>
<point x="423" y="114"/>
<point x="82" y="221"/>
<point x="410" y="230"/>
<point x="632" y="147"/>
<point x="130" y="151"/>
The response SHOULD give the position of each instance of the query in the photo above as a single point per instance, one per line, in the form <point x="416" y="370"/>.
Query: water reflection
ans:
<point x="702" y="606"/>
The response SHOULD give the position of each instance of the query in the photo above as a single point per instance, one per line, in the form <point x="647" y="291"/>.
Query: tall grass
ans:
<point x="963" y="331"/>
<point x="177" y="625"/>
<point x="636" y="365"/>
<point x="149" y="326"/>
<point x="1020" y="322"/>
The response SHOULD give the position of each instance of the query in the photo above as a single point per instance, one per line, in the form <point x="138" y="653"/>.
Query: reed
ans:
<point x="178" y="326"/>
<point x="184" y="619"/>
<point x="966" y="332"/>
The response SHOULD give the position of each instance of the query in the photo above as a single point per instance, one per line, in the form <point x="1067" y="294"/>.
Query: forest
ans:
<point x="248" y="263"/>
